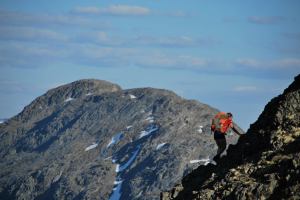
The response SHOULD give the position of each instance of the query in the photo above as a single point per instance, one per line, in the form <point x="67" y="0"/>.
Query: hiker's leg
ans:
<point x="221" y="143"/>
<point x="222" y="146"/>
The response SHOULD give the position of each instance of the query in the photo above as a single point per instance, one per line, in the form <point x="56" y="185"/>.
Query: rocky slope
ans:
<point x="92" y="140"/>
<point x="265" y="164"/>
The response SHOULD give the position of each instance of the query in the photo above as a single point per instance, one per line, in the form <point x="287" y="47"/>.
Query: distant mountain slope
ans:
<point x="2" y="121"/>
<point x="92" y="140"/>
<point x="265" y="164"/>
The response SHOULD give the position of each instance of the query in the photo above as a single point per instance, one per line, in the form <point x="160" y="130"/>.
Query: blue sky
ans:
<point x="233" y="55"/>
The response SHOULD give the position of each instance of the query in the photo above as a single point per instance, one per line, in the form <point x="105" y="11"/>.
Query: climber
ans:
<point x="219" y="126"/>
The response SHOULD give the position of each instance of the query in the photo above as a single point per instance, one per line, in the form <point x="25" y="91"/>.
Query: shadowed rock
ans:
<point x="265" y="163"/>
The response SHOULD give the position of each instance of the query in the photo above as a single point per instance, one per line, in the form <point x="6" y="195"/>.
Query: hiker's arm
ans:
<point x="235" y="130"/>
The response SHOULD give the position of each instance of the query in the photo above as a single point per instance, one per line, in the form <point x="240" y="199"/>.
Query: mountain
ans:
<point x="2" y="121"/>
<point x="91" y="139"/>
<point x="264" y="164"/>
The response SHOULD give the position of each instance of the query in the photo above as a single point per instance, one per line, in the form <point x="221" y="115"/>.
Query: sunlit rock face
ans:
<point x="265" y="163"/>
<point x="92" y="140"/>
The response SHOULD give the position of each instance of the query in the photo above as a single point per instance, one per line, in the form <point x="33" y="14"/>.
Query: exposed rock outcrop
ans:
<point x="92" y="140"/>
<point x="265" y="163"/>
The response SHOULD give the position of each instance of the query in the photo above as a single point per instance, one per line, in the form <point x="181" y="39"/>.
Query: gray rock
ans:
<point x="264" y="162"/>
<point x="81" y="140"/>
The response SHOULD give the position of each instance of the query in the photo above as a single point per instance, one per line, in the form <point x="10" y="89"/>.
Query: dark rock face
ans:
<point x="84" y="139"/>
<point x="265" y="163"/>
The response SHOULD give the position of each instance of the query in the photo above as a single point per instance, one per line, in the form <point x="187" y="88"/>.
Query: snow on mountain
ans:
<point x="94" y="145"/>
<point x="150" y="129"/>
<point x="116" y="195"/>
<point x="132" y="96"/>
<point x="264" y="164"/>
<point x="159" y="146"/>
<point x="204" y="161"/>
<point x="69" y="99"/>
<point x="121" y="168"/>
<point x="38" y="144"/>
<point x="200" y="129"/>
<point x="2" y="121"/>
<point x="150" y="119"/>
<point x="115" y="139"/>
<point x="57" y="177"/>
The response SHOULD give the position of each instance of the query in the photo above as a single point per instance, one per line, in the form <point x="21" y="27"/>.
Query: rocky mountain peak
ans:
<point x="92" y="140"/>
<point x="85" y="86"/>
<point x="55" y="98"/>
<point x="264" y="164"/>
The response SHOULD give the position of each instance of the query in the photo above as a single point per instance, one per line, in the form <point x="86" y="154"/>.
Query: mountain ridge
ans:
<point x="94" y="140"/>
<point x="264" y="164"/>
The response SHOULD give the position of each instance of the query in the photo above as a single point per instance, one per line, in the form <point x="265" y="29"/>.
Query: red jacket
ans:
<point x="221" y="122"/>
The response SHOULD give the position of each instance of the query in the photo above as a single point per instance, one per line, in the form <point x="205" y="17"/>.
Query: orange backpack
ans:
<point x="221" y="122"/>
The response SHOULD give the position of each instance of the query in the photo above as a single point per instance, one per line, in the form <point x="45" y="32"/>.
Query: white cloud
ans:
<point x="100" y="38"/>
<point x="26" y="54"/>
<point x="10" y="87"/>
<point x="87" y="10"/>
<point x="116" y="10"/>
<point x="248" y="62"/>
<point x="175" y="41"/>
<point x="284" y="63"/>
<point x="265" y="19"/>
<point x="106" y="38"/>
<point x="287" y="63"/>
<point x="13" y="18"/>
<point x="29" y="33"/>
<point x="160" y="60"/>
<point x="127" y="10"/>
<point x="247" y="88"/>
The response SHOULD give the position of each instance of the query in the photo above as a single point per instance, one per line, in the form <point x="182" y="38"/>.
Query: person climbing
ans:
<point x="221" y="123"/>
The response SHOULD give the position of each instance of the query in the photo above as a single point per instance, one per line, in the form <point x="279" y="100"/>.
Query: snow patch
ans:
<point x="205" y="161"/>
<point x="57" y="177"/>
<point x="117" y="182"/>
<point x="129" y="127"/>
<point x="89" y="94"/>
<point x="132" y="96"/>
<point x="197" y="161"/>
<point x="118" y="168"/>
<point x="115" y="139"/>
<point x="140" y="194"/>
<point x="160" y="146"/>
<point x="200" y="130"/>
<point x="121" y="168"/>
<point x="107" y="158"/>
<point x="212" y="162"/>
<point x="69" y="99"/>
<point x="94" y="145"/>
<point x="150" y="129"/>
<point x="2" y="121"/>
<point x="150" y="119"/>
<point x="116" y="195"/>
<point x="149" y="114"/>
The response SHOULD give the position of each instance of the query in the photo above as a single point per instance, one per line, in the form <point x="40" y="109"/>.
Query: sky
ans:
<point x="233" y="55"/>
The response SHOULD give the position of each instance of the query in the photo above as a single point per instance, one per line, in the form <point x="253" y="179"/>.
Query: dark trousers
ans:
<point x="221" y="143"/>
